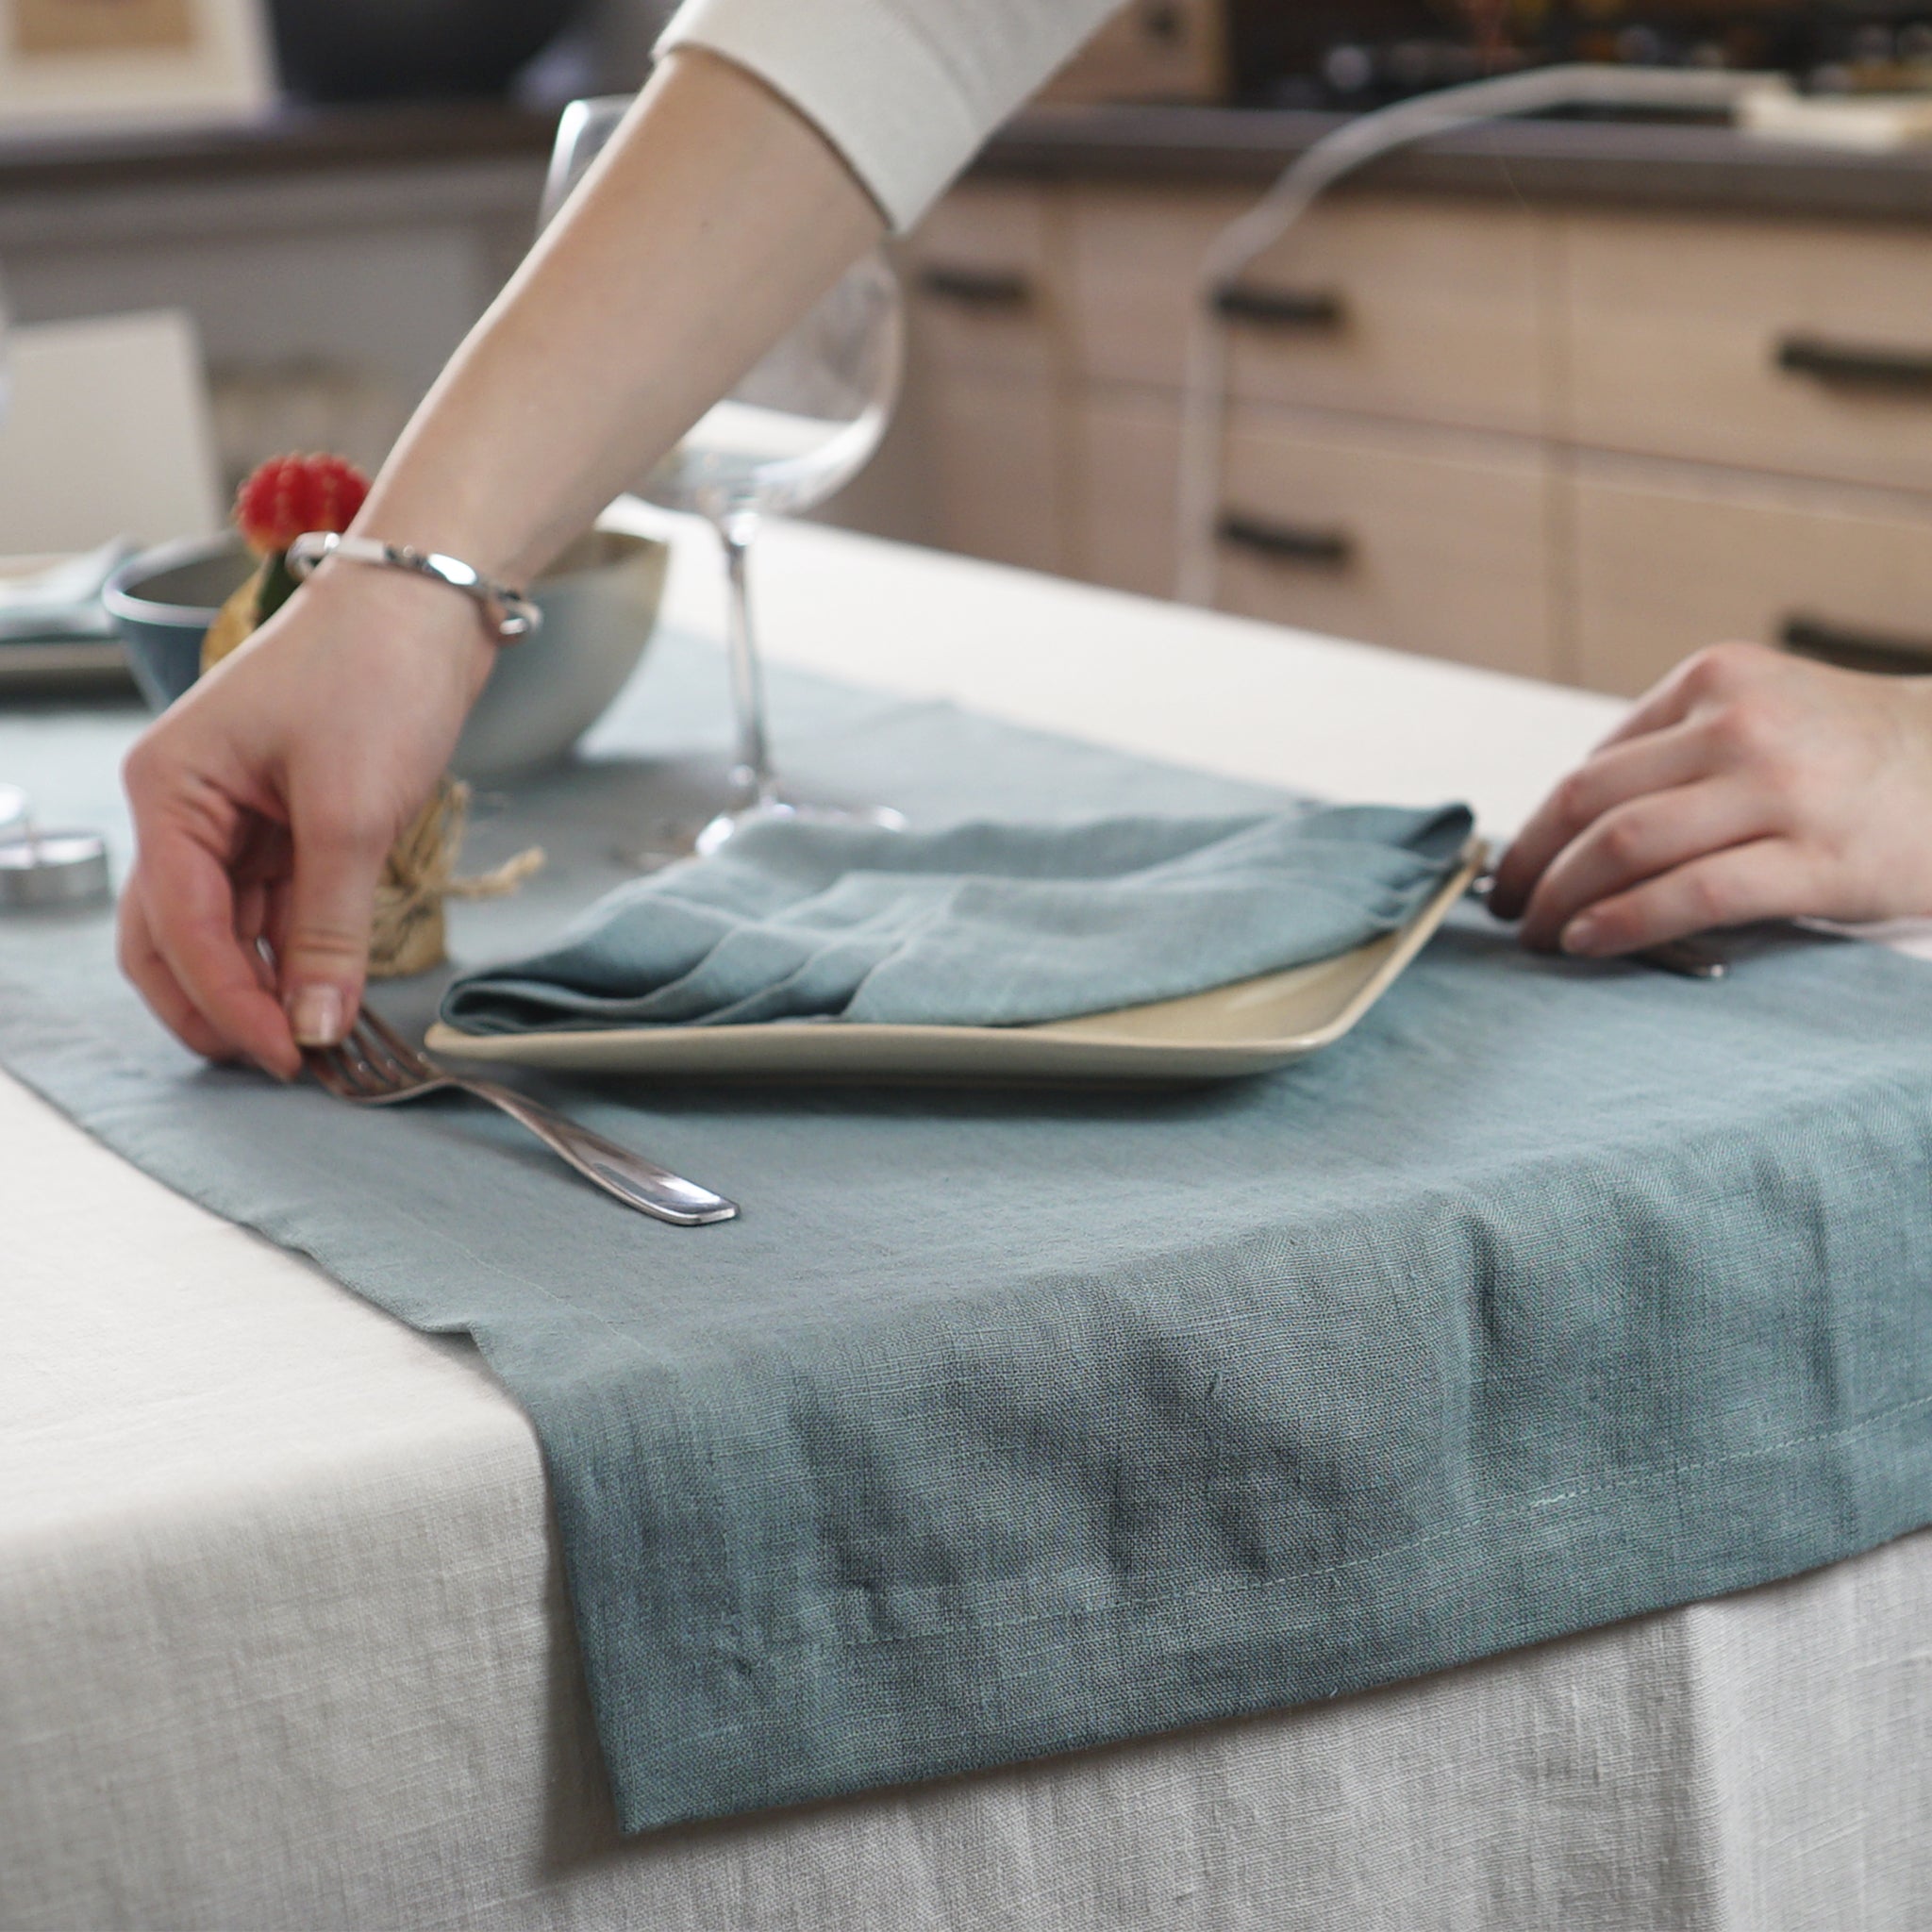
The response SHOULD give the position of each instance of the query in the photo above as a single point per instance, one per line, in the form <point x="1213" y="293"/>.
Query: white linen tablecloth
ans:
<point x="282" y="1637"/>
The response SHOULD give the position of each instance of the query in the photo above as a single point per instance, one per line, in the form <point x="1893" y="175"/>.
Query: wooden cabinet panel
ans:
<point x="992" y="459"/>
<point x="1134" y="257"/>
<point x="1676" y="328"/>
<point x="1406" y="469"/>
<point x="984" y="440"/>
<point x="985" y="281"/>
<point x="1395" y="306"/>
<point x="1429" y="541"/>
<point x="1668" y="559"/>
<point x="1127" y="458"/>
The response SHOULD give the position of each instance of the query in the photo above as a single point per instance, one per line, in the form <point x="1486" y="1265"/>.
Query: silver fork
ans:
<point x="377" y="1067"/>
<point x="1687" y="958"/>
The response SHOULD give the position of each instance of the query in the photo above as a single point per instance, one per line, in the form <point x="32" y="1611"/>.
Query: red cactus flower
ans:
<point x="291" y="494"/>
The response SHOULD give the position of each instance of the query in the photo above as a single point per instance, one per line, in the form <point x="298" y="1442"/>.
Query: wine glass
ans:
<point x="795" y="428"/>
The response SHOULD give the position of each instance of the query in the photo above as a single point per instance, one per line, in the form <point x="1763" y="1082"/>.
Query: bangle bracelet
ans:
<point x="512" y="614"/>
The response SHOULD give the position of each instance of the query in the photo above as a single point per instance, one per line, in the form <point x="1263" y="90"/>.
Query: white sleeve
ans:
<point x="905" y="90"/>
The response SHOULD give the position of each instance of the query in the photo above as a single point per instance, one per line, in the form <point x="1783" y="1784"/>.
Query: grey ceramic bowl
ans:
<point x="163" y="600"/>
<point x="599" y="602"/>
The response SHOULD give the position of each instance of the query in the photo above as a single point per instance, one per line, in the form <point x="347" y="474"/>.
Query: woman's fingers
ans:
<point x="1768" y="879"/>
<point x="251" y="928"/>
<point x="1704" y="762"/>
<point x="1617" y="773"/>
<point x="275" y="923"/>
<point x="331" y="902"/>
<point x="142" y="961"/>
<point x="1637" y="841"/>
<point x="1713" y="676"/>
<point x="191" y="920"/>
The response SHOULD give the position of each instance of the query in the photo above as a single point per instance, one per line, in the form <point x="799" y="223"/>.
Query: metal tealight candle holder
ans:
<point x="41" y="869"/>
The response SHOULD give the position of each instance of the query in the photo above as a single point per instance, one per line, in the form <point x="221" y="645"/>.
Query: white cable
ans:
<point x="1204" y="395"/>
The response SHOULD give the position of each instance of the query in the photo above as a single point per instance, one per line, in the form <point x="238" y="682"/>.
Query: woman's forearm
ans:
<point x="712" y="220"/>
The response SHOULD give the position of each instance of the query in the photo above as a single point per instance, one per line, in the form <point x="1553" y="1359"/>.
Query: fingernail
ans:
<point x="315" y="1015"/>
<point x="1582" y="936"/>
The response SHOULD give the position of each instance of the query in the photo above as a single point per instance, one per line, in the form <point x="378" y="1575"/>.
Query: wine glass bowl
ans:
<point x="793" y="430"/>
<point x="807" y="416"/>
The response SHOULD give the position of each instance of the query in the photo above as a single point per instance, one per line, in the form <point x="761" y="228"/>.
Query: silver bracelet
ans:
<point x="512" y="614"/>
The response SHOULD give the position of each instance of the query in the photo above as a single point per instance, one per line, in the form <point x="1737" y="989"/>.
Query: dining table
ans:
<point x="285" y="1635"/>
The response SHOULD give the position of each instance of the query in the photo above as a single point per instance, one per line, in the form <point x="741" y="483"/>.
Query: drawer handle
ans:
<point x="1853" y="649"/>
<point x="976" y="287"/>
<point x="1315" y="310"/>
<point x="1866" y="368"/>
<point x="1286" y="542"/>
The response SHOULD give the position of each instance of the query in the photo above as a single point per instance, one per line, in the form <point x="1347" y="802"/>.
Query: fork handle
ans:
<point x="637" y="1182"/>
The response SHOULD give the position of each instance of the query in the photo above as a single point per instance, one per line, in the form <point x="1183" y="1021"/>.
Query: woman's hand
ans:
<point x="265" y="801"/>
<point x="1748" y="784"/>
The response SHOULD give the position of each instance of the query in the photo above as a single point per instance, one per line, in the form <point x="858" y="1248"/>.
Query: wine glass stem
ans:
<point x="747" y="676"/>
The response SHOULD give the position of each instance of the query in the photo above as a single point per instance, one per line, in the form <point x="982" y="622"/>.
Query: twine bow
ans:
<point x="418" y="875"/>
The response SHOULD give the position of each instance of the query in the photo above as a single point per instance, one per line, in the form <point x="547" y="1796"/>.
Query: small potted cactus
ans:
<point x="285" y="498"/>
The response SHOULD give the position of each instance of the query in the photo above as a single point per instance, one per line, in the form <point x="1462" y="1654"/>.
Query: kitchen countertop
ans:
<point x="1676" y="164"/>
<point x="290" y="139"/>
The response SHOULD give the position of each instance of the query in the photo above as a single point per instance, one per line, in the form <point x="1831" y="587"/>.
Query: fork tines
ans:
<point x="416" y="1065"/>
<point x="373" y="1063"/>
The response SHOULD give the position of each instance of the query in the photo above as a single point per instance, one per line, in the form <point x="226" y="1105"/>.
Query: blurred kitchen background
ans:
<point x="1568" y="396"/>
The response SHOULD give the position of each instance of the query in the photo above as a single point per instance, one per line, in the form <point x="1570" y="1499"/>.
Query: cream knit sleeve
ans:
<point x="905" y="90"/>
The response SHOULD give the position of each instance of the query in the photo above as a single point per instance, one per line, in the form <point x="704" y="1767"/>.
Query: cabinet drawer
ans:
<point x="1125" y="496"/>
<point x="1391" y="306"/>
<point x="1668" y="561"/>
<point x="985" y="281"/>
<point x="1785" y="346"/>
<point x="1135" y="256"/>
<point x="991" y="456"/>
<point x="1431" y="542"/>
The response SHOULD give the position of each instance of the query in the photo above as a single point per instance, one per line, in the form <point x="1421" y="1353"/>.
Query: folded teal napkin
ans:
<point x="982" y="924"/>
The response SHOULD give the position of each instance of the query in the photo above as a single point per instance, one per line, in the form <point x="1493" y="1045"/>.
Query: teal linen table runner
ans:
<point x="1004" y="1424"/>
<point x="983" y="924"/>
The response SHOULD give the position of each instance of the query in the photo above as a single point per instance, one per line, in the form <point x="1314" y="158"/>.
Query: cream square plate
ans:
<point x="1248" y="1028"/>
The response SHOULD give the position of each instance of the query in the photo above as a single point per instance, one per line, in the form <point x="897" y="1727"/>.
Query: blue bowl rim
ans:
<point x="125" y="605"/>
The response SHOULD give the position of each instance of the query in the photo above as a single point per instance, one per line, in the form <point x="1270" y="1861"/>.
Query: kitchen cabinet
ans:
<point x="987" y="272"/>
<point x="989" y="352"/>
<point x="1746" y="421"/>
<point x="1125" y="450"/>
<point x="1573" y="440"/>
<point x="1417" y="310"/>
<point x="1671" y="555"/>
<point x="1435" y="540"/>
<point x="994" y="469"/>
<point x="1796" y="348"/>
